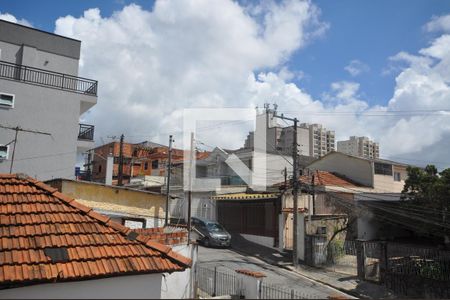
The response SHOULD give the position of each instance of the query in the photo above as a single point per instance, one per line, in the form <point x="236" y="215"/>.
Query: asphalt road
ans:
<point x="231" y="261"/>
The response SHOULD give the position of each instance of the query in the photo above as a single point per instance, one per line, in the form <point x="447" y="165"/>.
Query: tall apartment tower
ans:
<point x="359" y="146"/>
<point x="40" y="91"/>
<point x="313" y="139"/>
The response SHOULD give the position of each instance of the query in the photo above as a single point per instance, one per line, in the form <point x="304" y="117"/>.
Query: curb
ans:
<point x="271" y="262"/>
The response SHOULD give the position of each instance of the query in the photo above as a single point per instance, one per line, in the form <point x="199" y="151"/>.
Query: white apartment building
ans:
<point x="313" y="140"/>
<point x="40" y="91"/>
<point x="359" y="146"/>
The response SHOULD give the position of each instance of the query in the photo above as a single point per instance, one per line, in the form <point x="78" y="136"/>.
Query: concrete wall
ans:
<point x="47" y="110"/>
<point x="201" y="205"/>
<point x="115" y="199"/>
<point x="41" y="108"/>
<point x="386" y="183"/>
<point x="17" y="34"/>
<point x="356" y="169"/>
<point x="146" y="286"/>
<point x="179" y="285"/>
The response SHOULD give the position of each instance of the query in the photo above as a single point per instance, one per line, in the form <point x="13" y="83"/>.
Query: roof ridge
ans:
<point x="105" y="220"/>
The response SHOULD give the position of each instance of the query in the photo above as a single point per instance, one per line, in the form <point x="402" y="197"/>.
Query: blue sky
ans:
<point x="155" y="59"/>
<point x="368" y="31"/>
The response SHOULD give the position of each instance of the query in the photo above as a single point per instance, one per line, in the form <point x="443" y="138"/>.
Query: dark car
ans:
<point x="211" y="233"/>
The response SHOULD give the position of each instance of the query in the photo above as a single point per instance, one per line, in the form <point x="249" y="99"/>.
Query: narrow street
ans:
<point x="230" y="260"/>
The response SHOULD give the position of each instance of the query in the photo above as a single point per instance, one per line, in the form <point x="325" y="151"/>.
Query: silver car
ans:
<point x="211" y="233"/>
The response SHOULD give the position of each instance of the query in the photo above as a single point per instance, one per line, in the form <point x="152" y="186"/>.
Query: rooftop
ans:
<point x="37" y="221"/>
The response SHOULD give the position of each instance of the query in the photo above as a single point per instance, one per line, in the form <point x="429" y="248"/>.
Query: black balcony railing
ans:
<point x="48" y="78"/>
<point x="86" y="132"/>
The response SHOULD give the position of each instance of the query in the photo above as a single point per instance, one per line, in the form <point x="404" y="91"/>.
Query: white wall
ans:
<point x="386" y="183"/>
<point x="146" y="286"/>
<point x="356" y="169"/>
<point x="178" y="285"/>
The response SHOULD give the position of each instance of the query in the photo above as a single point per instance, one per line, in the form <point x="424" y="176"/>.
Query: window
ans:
<point x="4" y="152"/>
<point x="6" y="100"/>
<point x="397" y="176"/>
<point x="383" y="169"/>
<point x="155" y="164"/>
<point x="100" y="169"/>
<point x="145" y="165"/>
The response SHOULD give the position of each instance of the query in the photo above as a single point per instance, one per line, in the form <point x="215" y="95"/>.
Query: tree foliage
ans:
<point x="428" y="188"/>
<point x="427" y="196"/>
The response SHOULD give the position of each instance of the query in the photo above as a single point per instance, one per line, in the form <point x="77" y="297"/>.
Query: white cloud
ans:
<point x="152" y="64"/>
<point x="10" y="18"/>
<point x="356" y="67"/>
<point x="182" y="54"/>
<point x="441" y="23"/>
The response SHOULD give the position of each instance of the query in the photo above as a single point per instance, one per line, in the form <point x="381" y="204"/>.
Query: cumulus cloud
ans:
<point x="356" y="67"/>
<point x="10" y="18"/>
<point x="184" y="54"/>
<point x="441" y="23"/>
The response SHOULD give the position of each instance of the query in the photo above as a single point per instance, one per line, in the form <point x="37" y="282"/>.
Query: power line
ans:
<point x="18" y="129"/>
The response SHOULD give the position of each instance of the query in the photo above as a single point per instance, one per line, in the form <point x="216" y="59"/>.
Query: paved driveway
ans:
<point x="230" y="260"/>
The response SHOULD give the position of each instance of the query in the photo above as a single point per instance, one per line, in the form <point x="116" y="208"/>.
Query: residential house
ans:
<point x="40" y="91"/>
<point x="216" y="166"/>
<point x="131" y="207"/>
<point x="140" y="210"/>
<point x="56" y="247"/>
<point x="139" y="161"/>
<point x="326" y="202"/>
<point x="384" y="176"/>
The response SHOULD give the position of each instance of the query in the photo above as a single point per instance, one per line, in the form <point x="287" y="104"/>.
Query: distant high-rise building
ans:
<point x="359" y="146"/>
<point x="313" y="139"/>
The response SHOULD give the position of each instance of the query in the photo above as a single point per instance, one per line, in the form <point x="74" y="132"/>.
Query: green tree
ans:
<point x="429" y="190"/>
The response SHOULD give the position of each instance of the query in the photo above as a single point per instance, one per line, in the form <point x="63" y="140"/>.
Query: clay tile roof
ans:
<point x="36" y="220"/>
<point x="324" y="178"/>
<point x="251" y="273"/>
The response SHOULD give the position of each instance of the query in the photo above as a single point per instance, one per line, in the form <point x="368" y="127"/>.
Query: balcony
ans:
<point x="49" y="79"/>
<point x="86" y="132"/>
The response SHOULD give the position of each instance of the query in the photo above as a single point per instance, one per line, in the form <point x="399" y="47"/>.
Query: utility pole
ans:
<point x="295" y="187"/>
<point x="285" y="178"/>
<point x="191" y="166"/>
<point x="14" y="150"/>
<point x="17" y="129"/>
<point x="313" y="194"/>
<point x="169" y="170"/>
<point x="89" y="165"/>
<point x="120" y="175"/>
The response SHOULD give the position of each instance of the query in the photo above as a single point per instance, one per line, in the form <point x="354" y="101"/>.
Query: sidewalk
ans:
<point x="342" y="282"/>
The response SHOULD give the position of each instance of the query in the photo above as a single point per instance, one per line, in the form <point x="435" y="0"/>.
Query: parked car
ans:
<point x="211" y="233"/>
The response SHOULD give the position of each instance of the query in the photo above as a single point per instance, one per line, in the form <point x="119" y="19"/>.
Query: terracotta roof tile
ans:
<point x="34" y="216"/>
<point x="325" y="178"/>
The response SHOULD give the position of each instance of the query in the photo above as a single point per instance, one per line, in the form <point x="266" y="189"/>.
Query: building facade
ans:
<point x="359" y="146"/>
<point x="139" y="160"/>
<point x="313" y="140"/>
<point x="41" y="101"/>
